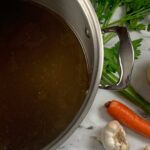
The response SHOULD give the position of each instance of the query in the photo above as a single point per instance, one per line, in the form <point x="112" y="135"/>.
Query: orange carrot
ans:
<point x="128" y="118"/>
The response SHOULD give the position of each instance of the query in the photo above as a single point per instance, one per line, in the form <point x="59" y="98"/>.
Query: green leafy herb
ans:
<point x="105" y="9"/>
<point x="135" y="12"/>
<point x="135" y="25"/>
<point x="111" y="55"/>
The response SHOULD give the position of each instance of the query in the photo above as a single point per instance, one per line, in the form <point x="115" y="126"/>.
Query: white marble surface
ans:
<point x="97" y="117"/>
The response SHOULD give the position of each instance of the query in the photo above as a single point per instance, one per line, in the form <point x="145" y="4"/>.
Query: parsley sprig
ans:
<point x="134" y="13"/>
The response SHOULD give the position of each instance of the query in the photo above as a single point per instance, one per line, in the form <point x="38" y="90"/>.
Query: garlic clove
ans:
<point x="114" y="126"/>
<point x="113" y="137"/>
<point x="147" y="147"/>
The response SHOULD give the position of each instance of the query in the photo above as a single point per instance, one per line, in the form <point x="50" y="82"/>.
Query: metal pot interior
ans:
<point x="75" y="17"/>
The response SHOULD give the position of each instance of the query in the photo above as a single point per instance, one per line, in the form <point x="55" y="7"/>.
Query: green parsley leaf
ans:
<point x="135" y="12"/>
<point x="111" y="56"/>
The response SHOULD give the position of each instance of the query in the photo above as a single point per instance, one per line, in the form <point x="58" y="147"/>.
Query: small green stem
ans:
<point x="115" y="22"/>
<point x="108" y="37"/>
<point x="130" y="17"/>
<point x="135" y="98"/>
<point x="107" y="21"/>
<point x="129" y="93"/>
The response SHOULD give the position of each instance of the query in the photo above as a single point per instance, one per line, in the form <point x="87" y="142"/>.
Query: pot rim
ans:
<point x="90" y="15"/>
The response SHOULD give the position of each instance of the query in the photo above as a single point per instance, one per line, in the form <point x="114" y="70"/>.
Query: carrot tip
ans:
<point x="107" y="104"/>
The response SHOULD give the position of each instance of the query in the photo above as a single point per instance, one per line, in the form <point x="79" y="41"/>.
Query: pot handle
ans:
<point x="126" y="58"/>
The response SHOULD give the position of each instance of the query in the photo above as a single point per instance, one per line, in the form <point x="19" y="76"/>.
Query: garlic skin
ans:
<point x="147" y="147"/>
<point x="113" y="137"/>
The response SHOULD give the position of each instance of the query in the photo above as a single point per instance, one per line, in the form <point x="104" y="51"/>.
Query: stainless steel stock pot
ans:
<point x="81" y="17"/>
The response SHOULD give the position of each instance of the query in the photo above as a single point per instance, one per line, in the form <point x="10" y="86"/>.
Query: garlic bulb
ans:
<point x="113" y="137"/>
<point x="147" y="147"/>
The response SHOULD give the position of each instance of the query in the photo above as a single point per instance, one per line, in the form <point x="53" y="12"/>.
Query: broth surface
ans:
<point x="43" y="76"/>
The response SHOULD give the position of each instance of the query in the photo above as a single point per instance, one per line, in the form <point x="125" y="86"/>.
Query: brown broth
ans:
<point x="43" y="76"/>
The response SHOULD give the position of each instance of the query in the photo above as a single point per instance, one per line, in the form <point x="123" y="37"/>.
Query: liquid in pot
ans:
<point x="43" y="76"/>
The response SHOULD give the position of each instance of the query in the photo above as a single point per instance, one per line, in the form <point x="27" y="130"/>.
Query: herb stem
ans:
<point x="136" y="14"/>
<point x="129" y="93"/>
<point x="108" y="37"/>
<point x="107" y="21"/>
